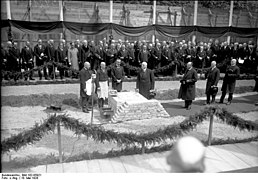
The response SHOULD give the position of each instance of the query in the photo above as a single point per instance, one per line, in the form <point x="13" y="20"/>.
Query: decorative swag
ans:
<point x="102" y="28"/>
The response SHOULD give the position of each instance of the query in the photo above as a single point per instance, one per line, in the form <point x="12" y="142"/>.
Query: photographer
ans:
<point x="229" y="82"/>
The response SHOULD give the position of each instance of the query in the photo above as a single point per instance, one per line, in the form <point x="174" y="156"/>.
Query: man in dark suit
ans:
<point x="117" y="75"/>
<point x="124" y="56"/>
<point x="111" y="55"/>
<point x="50" y="53"/>
<point x="212" y="76"/>
<point x="39" y="52"/>
<point x="27" y="60"/>
<point x="187" y="88"/>
<point x="61" y="58"/>
<point x="85" y="75"/>
<point x="13" y="62"/>
<point x="144" y="55"/>
<point x="145" y="81"/>
<point x="229" y="82"/>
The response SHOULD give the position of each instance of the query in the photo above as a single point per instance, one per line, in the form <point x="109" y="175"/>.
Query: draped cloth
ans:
<point x="103" y="28"/>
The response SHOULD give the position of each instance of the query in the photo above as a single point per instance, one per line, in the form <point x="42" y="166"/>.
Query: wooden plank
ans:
<point x="81" y="167"/>
<point x="55" y="168"/>
<point x="153" y="162"/>
<point x="228" y="157"/>
<point x="146" y="167"/>
<point x="162" y="159"/>
<point x="216" y="161"/>
<point x="39" y="169"/>
<point x="210" y="166"/>
<point x="93" y="166"/>
<point x="131" y="165"/>
<point x="249" y="148"/>
<point x="117" y="165"/>
<point x="105" y="166"/>
<point x="69" y="167"/>
<point x="241" y="154"/>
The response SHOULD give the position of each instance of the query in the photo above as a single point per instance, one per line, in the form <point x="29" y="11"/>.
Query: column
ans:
<point x="61" y="11"/>
<point x="230" y="18"/>
<point x="111" y="11"/>
<point x="195" y="18"/>
<point x="8" y="9"/>
<point x="61" y="17"/>
<point x="154" y="19"/>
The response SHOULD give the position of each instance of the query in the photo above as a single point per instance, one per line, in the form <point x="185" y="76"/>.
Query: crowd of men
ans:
<point x="156" y="54"/>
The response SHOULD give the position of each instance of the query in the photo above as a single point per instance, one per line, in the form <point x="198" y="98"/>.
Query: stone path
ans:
<point x="217" y="159"/>
<point x="74" y="88"/>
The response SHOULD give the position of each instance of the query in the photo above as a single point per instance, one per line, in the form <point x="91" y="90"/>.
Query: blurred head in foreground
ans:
<point x="187" y="156"/>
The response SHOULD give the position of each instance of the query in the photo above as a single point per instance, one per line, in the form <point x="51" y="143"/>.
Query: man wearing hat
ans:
<point x="229" y="82"/>
<point x="212" y="76"/>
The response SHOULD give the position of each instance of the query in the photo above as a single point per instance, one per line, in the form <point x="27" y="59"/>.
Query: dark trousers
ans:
<point x="51" y="71"/>
<point x="209" y="96"/>
<point x="85" y="102"/>
<point x="101" y="102"/>
<point x="230" y="96"/>
<point x="29" y="67"/>
<point x="44" y="72"/>
<point x="188" y="103"/>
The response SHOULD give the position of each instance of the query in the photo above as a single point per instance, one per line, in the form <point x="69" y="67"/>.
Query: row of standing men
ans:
<point x="156" y="55"/>
<point x="145" y="83"/>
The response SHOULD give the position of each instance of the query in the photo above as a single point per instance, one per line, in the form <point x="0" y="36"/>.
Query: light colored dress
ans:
<point x="73" y="58"/>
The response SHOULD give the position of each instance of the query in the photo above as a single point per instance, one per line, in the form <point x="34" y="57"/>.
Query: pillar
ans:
<point x="195" y="18"/>
<point x="154" y="18"/>
<point x="230" y="18"/>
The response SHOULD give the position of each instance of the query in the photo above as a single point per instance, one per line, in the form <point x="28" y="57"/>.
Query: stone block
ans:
<point x="133" y="106"/>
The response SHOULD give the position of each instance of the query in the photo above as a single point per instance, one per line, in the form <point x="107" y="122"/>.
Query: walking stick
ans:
<point x="92" y="100"/>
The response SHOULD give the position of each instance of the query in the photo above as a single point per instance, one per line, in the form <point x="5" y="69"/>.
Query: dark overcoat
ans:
<point x="84" y="75"/>
<point x="212" y="77"/>
<point x="187" y="90"/>
<point x="229" y="81"/>
<point x="38" y="50"/>
<point x="145" y="82"/>
<point x="117" y="74"/>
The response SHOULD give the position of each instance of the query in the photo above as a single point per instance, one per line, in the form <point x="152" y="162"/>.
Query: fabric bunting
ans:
<point x="101" y="28"/>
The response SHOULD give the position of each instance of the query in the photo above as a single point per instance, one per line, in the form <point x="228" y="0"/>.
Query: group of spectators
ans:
<point x="158" y="54"/>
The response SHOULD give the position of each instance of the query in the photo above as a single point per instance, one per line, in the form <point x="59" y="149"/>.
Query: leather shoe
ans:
<point x="228" y="103"/>
<point x="220" y="102"/>
<point x="206" y="103"/>
<point x="32" y="79"/>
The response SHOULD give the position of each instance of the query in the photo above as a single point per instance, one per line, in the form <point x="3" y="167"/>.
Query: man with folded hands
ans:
<point x="212" y="76"/>
<point x="187" y="88"/>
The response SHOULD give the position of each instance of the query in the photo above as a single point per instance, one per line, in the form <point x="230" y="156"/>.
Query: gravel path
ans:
<point x="74" y="88"/>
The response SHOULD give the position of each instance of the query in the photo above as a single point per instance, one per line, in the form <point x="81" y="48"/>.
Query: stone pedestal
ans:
<point x="133" y="106"/>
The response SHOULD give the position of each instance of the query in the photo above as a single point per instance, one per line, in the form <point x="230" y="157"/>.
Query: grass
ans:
<point x="83" y="148"/>
<point x="74" y="101"/>
<point x="172" y="94"/>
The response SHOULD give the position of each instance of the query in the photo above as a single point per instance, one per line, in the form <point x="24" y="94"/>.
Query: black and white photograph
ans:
<point x="128" y="86"/>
